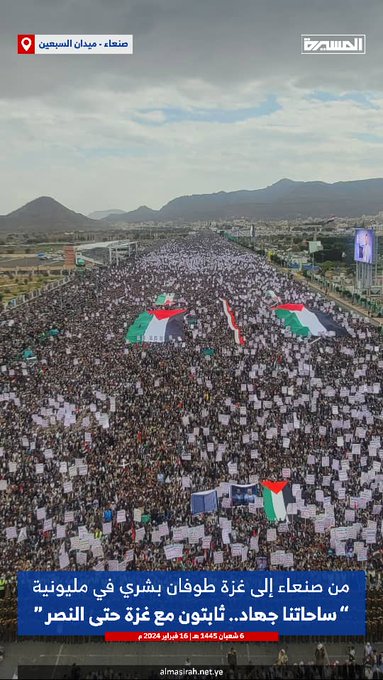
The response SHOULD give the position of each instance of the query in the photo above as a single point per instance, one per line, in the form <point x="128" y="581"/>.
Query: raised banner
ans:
<point x="96" y="603"/>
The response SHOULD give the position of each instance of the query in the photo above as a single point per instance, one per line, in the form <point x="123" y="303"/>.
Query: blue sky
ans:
<point x="369" y="137"/>
<point x="365" y="99"/>
<point x="213" y="115"/>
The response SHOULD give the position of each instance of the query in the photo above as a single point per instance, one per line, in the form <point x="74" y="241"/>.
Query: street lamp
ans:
<point x="309" y="346"/>
<point x="317" y="224"/>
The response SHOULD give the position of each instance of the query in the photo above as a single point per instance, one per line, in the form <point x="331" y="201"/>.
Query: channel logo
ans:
<point x="333" y="44"/>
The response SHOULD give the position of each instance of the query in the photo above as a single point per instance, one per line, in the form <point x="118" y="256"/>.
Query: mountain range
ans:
<point x="286" y="199"/>
<point x="45" y="215"/>
<point x="100" y="214"/>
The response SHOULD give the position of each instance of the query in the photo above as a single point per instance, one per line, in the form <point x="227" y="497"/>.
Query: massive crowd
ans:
<point x="91" y="425"/>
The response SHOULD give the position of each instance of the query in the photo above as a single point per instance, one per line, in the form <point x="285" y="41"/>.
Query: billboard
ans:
<point x="364" y="247"/>
<point x="315" y="246"/>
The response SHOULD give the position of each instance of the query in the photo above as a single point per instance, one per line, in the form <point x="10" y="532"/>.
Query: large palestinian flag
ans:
<point x="304" y="321"/>
<point x="165" y="299"/>
<point x="239" y="339"/>
<point x="157" y="325"/>
<point x="276" y="497"/>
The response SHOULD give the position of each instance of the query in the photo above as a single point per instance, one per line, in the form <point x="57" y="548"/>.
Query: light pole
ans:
<point x="309" y="346"/>
<point x="317" y="224"/>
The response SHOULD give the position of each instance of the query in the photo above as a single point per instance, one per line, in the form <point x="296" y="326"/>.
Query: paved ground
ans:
<point x="101" y="654"/>
<point x="28" y="261"/>
<point x="22" y="261"/>
<point x="350" y="306"/>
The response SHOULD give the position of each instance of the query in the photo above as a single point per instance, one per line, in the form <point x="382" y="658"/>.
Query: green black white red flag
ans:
<point x="276" y="498"/>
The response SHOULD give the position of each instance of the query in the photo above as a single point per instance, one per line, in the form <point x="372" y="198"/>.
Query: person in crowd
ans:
<point x="321" y="658"/>
<point x="352" y="655"/>
<point x="102" y="441"/>
<point x="232" y="659"/>
<point x="282" y="659"/>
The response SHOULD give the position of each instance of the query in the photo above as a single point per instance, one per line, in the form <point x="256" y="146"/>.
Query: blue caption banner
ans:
<point x="290" y="603"/>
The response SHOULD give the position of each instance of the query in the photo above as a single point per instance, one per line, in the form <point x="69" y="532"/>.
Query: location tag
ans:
<point x="26" y="43"/>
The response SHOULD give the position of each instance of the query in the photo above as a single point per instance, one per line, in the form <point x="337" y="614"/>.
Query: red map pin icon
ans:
<point x="25" y="44"/>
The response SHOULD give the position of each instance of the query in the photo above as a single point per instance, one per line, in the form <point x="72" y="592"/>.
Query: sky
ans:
<point x="216" y="97"/>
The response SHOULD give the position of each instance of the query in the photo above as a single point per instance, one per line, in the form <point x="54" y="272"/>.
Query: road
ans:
<point x="25" y="261"/>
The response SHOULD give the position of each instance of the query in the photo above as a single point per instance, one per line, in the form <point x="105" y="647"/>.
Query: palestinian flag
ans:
<point x="165" y="299"/>
<point x="239" y="339"/>
<point x="306" y="322"/>
<point x="157" y="325"/>
<point x="276" y="497"/>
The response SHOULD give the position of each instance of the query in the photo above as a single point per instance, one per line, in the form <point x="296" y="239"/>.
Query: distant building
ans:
<point x="69" y="256"/>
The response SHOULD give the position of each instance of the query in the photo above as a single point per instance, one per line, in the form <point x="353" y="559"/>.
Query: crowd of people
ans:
<point x="91" y="425"/>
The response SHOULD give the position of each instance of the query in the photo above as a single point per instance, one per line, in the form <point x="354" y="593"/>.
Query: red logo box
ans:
<point x="26" y="44"/>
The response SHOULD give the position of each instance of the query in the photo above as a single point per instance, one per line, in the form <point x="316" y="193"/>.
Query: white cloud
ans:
<point x="92" y="132"/>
